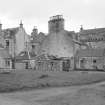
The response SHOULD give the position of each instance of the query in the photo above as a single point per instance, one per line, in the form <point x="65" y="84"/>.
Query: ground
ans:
<point x="93" y="94"/>
<point x="29" y="79"/>
<point x="83" y="88"/>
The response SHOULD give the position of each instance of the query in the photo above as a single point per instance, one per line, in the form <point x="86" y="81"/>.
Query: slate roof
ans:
<point x="90" y="53"/>
<point x="92" y="31"/>
<point x="10" y="32"/>
<point x="39" y="38"/>
<point x="42" y="57"/>
<point x="24" y="56"/>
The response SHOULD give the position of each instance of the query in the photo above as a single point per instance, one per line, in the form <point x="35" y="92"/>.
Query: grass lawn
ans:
<point x="29" y="79"/>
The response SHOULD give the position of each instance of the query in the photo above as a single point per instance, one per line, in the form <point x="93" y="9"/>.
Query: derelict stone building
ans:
<point x="58" y="46"/>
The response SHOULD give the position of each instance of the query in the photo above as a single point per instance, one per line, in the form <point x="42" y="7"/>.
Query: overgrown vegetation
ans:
<point x="43" y="76"/>
<point x="26" y="80"/>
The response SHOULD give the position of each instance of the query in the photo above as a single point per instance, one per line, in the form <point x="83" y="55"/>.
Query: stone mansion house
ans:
<point x="59" y="50"/>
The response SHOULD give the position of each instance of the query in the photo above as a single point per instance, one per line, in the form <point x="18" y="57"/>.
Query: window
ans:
<point x="33" y="46"/>
<point x="94" y="61"/>
<point x="102" y="38"/>
<point x="26" y="65"/>
<point x="7" y="43"/>
<point x="7" y="63"/>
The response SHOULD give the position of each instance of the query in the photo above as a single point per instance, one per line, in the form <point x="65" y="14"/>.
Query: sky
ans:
<point x="89" y="13"/>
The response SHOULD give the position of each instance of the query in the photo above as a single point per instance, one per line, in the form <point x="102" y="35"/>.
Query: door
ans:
<point x="66" y="65"/>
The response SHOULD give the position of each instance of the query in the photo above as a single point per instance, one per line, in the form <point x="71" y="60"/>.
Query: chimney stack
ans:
<point x="34" y="31"/>
<point x="21" y="24"/>
<point x="0" y="26"/>
<point x="81" y="29"/>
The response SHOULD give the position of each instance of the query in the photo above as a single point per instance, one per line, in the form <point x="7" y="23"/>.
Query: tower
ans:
<point x="56" y="23"/>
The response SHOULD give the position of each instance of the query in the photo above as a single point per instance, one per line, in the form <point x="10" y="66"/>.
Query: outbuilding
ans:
<point x="90" y="59"/>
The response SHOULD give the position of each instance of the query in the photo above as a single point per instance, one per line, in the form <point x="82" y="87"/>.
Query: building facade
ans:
<point x="58" y="43"/>
<point x="90" y="59"/>
<point x="59" y="50"/>
<point x="13" y="41"/>
<point x="94" y="38"/>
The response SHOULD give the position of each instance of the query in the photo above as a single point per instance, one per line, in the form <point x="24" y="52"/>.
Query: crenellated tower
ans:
<point x="56" y="24"/>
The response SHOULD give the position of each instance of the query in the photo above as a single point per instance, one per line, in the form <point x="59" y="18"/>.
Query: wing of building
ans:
<point x="14" y="39"/>
<point x="90" y="59"/>
<point x="94" y="38"/>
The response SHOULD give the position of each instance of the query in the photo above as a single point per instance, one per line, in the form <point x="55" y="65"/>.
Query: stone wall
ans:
<point x="90" y="63"/>
<point x="49" y="65"/>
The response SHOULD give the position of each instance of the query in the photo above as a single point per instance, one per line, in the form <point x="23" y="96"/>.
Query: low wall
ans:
<point x="49" y="65"/>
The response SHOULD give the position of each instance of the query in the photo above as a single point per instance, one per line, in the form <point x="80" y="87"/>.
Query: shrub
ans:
<point x="44" y="76"/>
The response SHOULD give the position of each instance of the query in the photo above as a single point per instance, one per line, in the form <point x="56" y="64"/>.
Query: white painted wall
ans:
<point x="21" y="39"/>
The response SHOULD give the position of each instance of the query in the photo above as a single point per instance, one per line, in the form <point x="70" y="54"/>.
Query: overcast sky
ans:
<point x="89" y="13"/>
